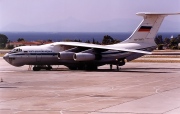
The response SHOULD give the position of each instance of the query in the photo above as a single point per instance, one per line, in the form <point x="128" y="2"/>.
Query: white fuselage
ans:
<point x="47" y="54"/>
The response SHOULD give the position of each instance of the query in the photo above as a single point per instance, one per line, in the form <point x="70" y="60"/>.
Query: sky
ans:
<point x="83" y="15"/>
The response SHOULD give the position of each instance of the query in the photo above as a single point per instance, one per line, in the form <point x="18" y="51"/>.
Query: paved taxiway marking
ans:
<point x="173" y="111"/>
<point x="158" y="88"/>
<point x="140" y="78"/>
<point x="87" y="96"/>
<point x="121" y="88"/>
<point x="153" y="104"/>
<point x="67" y="90"/>
<point x="135" y="99"/>
<point x="75" y="88"/>
<point x="67" y="109"/>
<point x="61" y="112"/>
<point x="97" y="85"/>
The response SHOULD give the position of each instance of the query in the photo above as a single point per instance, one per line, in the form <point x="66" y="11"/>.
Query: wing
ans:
<point x="103" y="47"/>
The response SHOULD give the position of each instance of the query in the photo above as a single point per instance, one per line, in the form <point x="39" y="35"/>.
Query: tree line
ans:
<point x="106" y="40"/>
<point x="168" y="43"/>
<point x="3" y="41"/>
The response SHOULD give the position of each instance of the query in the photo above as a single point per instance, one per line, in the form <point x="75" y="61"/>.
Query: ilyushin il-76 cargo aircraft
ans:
<point x="84" y="56"/>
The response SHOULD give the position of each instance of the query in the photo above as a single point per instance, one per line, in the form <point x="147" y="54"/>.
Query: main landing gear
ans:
<point x="119" y="62"/>
<point x="117" y="67"/>
<point x="39" y="67"/>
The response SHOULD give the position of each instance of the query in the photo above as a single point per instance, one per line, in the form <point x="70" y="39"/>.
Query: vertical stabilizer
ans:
<point x="148" y="28"/>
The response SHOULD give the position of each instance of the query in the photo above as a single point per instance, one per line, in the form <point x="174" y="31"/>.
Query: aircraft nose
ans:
<point x="6" y="57"/>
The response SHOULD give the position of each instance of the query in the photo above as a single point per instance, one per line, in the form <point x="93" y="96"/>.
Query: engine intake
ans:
<point x="83" y="57"/>
<point x="86" y="57"/>
<point x="65" y="55"/>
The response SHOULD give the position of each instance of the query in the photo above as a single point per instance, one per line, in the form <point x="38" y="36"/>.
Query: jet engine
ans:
<point x="84" y="57"/>
<point x="65" y="55"/>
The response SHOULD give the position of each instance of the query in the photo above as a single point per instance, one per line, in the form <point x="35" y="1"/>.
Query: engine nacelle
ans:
<point x="84" y="57"/>
<point x="65" y="55"/>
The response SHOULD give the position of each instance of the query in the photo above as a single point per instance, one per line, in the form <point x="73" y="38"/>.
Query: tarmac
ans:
<point x="138" y="88"/>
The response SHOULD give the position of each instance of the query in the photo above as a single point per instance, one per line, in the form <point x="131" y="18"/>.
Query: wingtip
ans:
<point x="150" y="53"/>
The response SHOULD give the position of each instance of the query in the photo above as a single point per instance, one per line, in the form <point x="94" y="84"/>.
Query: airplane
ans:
<point x="84" y="56"/>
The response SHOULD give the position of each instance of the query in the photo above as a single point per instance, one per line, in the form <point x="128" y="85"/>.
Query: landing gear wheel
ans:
<point x="72" y="68"/>
<point x="36" y="68"/>
<point x="110" y="66"/>
<point x="49" y="67"/>
<point x="118" y="68"/>
<point x="81" y="68"/>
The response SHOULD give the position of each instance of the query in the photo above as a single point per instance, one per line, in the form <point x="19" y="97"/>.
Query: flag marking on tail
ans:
<point x="144" y="28"/>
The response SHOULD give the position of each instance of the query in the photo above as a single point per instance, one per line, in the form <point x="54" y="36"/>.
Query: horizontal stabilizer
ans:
<point x="152" y="13"/>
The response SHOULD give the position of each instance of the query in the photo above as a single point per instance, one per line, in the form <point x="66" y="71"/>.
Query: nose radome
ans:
<point x="6" y="56"/>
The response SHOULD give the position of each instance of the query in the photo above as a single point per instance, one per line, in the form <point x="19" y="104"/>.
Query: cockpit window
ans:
<point x="16" y="50"/>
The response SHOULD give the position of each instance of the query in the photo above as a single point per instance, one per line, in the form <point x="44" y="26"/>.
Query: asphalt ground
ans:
<point x="138" y="88"/>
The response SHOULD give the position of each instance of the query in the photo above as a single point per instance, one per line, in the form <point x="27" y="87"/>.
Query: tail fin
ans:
<point x="148" y="28"/>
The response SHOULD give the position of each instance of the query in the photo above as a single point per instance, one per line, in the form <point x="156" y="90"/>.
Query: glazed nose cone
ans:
<point x="6" y="57"/>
